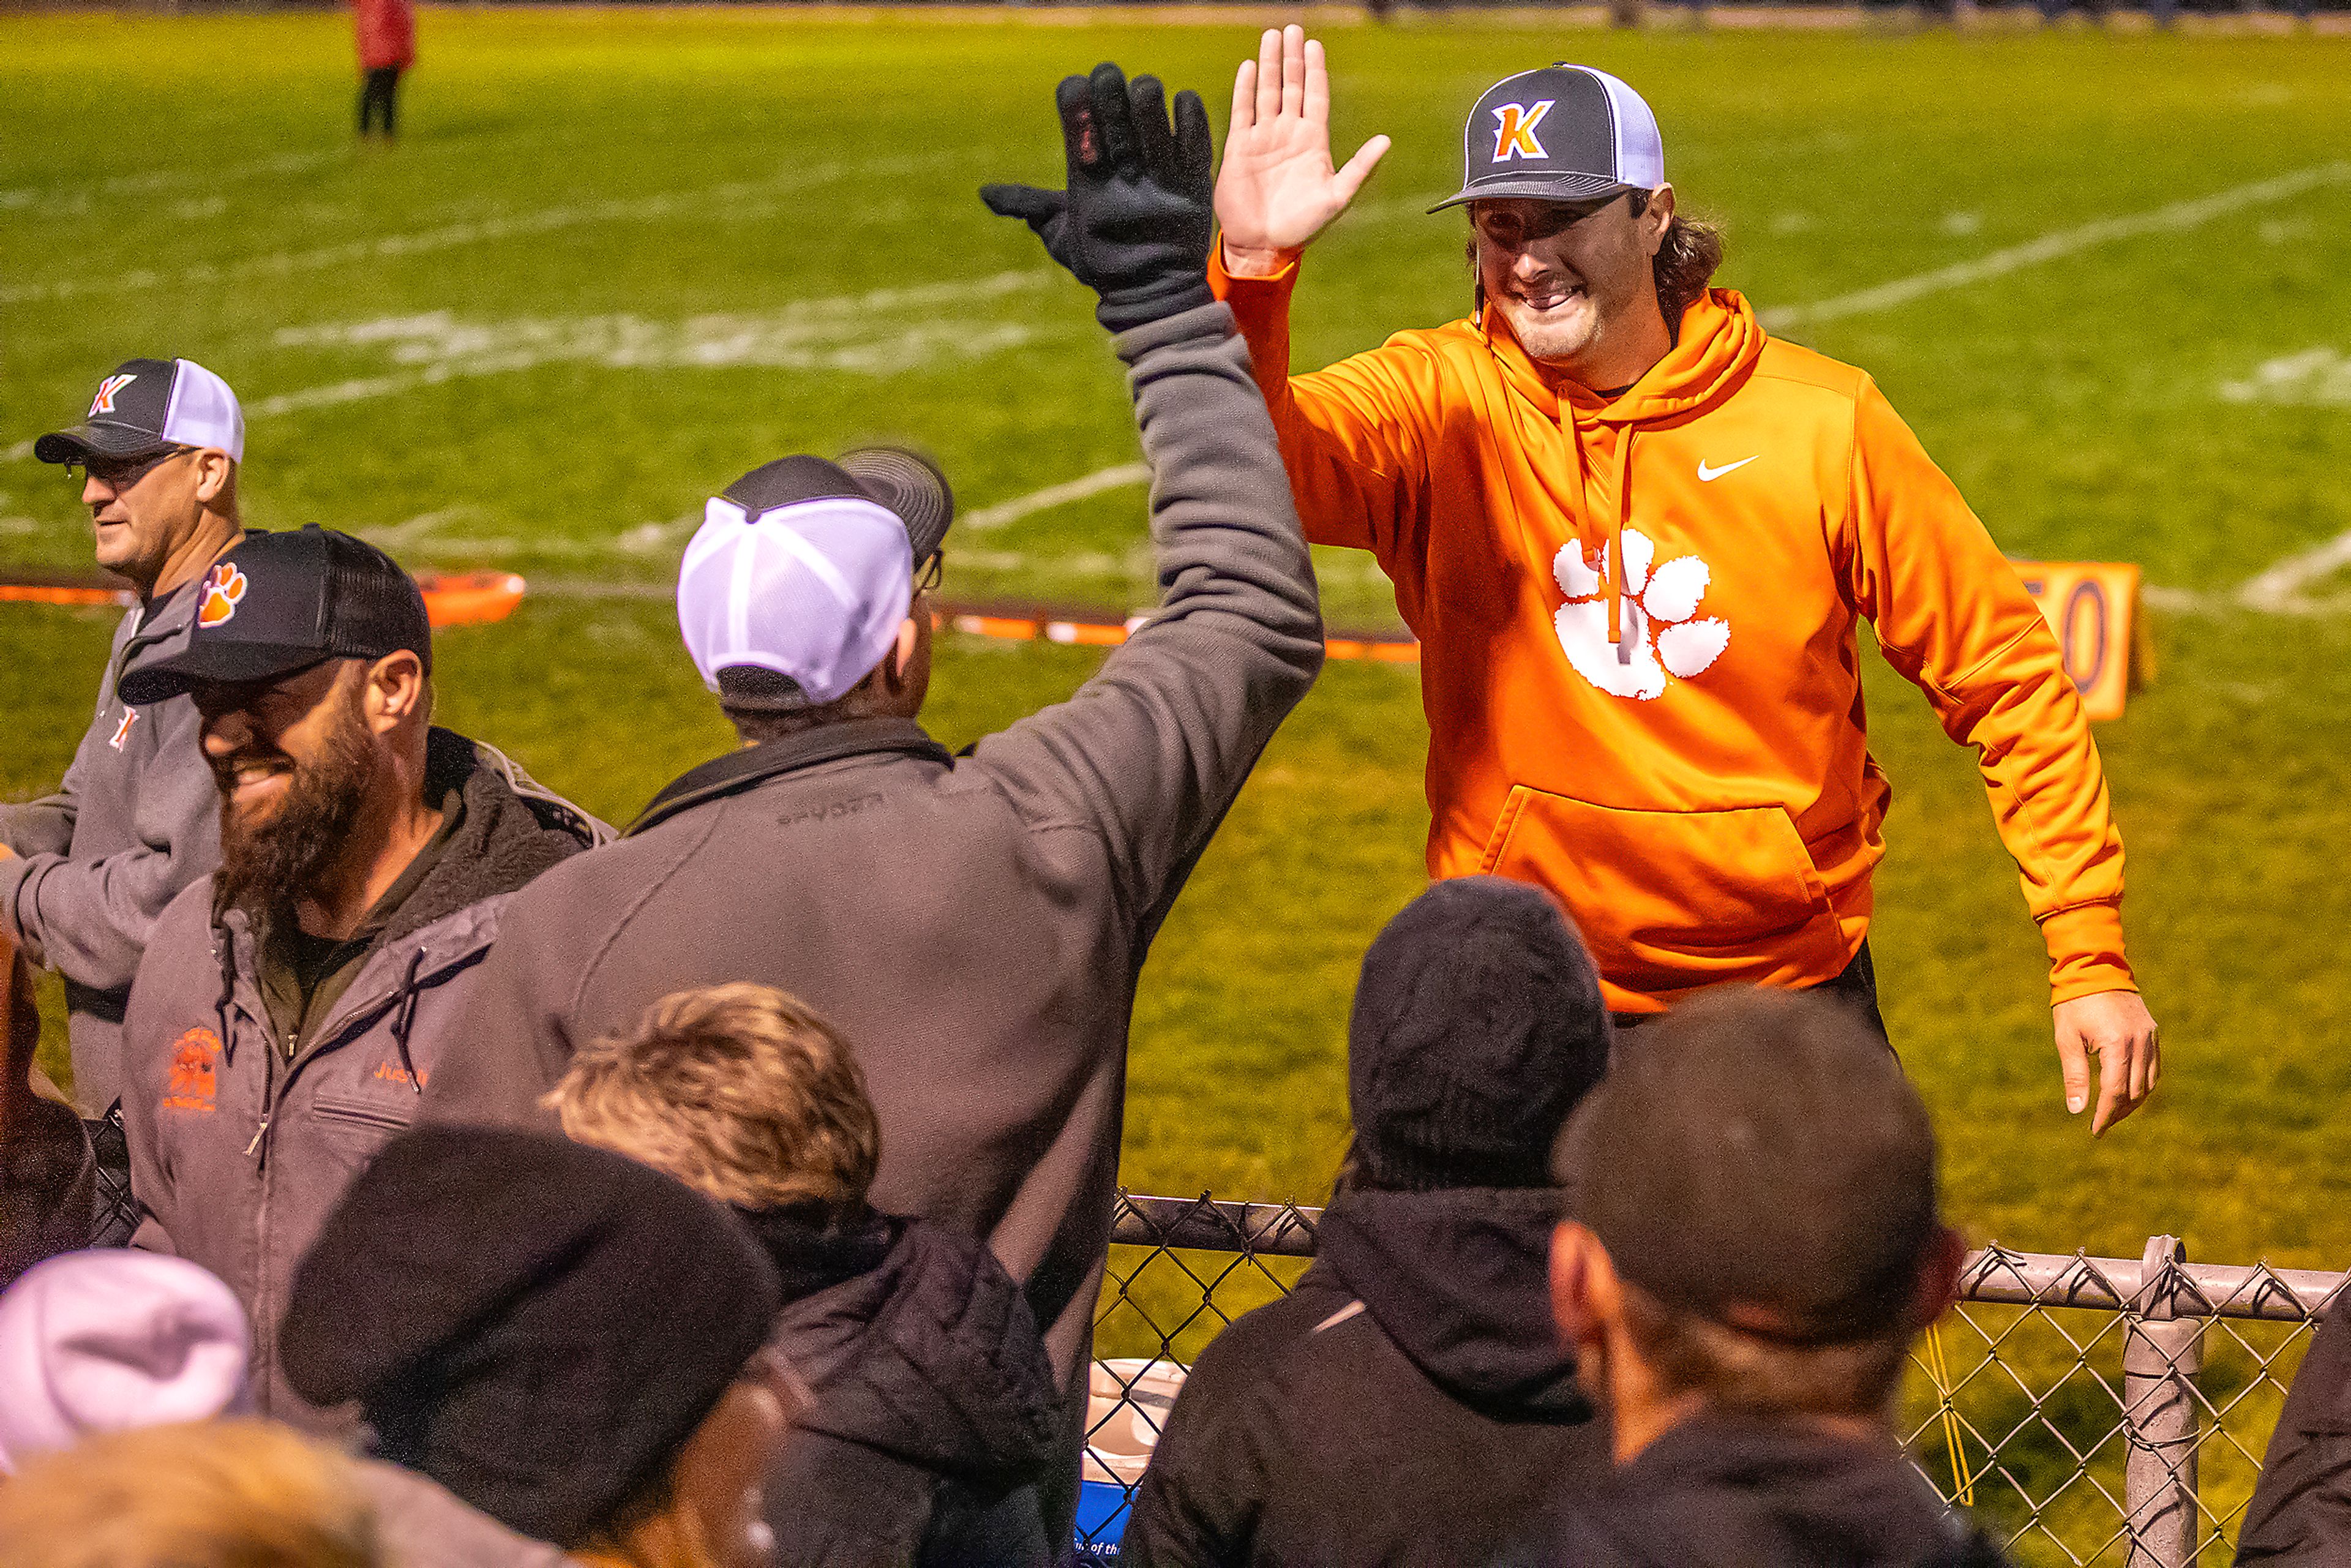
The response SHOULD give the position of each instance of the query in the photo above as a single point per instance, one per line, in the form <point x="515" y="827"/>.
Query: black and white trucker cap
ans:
<point x="1563" y="133"/>
<point x="278" y="602"/>
<point x="794" y="587"/>
<point x="146" y="405"/>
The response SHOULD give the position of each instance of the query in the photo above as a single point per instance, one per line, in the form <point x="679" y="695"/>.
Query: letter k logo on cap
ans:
<point x="1514" y="131"/>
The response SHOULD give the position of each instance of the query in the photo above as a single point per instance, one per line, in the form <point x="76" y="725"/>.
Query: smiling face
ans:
<point x="144" y="512"/>
<point x="1574" y="280"/>
<point x="295" y="759"/>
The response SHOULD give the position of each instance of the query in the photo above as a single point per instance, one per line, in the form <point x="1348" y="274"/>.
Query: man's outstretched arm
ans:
<point x="1151" y="752"/>
<point x="1952" y="615"/>
<point x="1351" y="435"/>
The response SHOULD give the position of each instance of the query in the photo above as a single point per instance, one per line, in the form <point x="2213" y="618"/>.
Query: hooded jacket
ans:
<point x="1639" y="623"/>
<point x="1408" y="1403"/>
<point x="976" y="924"/>
<point x="1723" y="1492"/>
<point x="237" y="1155"/>
<point x="136" y="820"/>
<point x="934" y="1412"/>
<point x="2300" y="1515"/>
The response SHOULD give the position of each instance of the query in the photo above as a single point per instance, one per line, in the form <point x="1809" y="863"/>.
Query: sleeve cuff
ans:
<point x="1225" y="285"/>
<point x="15" y="871"/>
<point x="2086" y="952"/>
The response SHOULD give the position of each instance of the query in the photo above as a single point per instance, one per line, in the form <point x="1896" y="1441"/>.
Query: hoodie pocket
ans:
<point x="1668" y="900"/>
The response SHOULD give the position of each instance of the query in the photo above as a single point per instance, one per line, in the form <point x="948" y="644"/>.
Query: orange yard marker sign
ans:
<point x="2093" y="607"/>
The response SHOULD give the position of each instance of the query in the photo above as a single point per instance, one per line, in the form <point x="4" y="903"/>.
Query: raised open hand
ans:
<point x="1277" y="189"/>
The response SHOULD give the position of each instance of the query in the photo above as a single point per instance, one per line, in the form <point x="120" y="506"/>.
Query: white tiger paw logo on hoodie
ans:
<point x="1662" y="637"/>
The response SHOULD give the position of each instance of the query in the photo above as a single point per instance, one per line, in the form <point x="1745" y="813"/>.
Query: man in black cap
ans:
<point x="291" y="1008"/>
<point x="1637" y="537"/>
<point x="1750" y="1255"/>
<point x="977" y="924"/>
<point x="84" y="872"/>
<point x="1409" y="1401"/>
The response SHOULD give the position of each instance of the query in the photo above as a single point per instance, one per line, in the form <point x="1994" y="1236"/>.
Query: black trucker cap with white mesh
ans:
<point x="278" y="602"/>
<point x="145" y="407"/>
<point x="1562" y="134"/>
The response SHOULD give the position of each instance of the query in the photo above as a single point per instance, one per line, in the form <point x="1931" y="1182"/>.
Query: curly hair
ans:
<point x="1685" y="262"/>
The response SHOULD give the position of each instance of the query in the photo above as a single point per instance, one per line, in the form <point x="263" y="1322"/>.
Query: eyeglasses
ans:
<point x="122" y="473"/>
<point x="933" y="569"/>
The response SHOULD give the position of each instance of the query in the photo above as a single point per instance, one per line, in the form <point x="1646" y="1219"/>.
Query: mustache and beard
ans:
<point x="272" y="856"/>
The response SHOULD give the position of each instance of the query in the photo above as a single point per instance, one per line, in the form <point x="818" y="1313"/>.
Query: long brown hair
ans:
<point x="1685" y="262"/>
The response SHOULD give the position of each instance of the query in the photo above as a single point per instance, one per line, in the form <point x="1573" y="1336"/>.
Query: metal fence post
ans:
<point x="2162" y="1353"/>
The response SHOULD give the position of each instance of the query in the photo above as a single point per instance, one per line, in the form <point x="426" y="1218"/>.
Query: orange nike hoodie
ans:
<point x="1639" y="623"/>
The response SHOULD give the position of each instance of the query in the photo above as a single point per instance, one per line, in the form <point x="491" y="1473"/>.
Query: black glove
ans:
<point x="1135" y="223"/>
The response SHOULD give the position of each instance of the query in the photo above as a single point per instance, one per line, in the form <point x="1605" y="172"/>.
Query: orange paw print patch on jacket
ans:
<point x="223" y="588"/>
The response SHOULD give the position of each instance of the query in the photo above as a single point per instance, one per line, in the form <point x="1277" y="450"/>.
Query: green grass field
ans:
<point x="619" y="257"/>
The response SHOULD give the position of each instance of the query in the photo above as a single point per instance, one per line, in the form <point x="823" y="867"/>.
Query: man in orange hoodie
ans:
<point x="1637" y="537"/>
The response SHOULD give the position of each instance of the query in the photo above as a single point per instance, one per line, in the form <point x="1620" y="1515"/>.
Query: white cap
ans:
<point x="108" y="1340"/>
<point x="813" y="590"/>
<point x="204" y="411"/>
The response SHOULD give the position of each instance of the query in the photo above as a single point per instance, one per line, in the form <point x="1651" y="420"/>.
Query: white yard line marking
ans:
<point x="740" y="201"/>
<point x="2278" y="589"/>
<point x="1094" y="484"/>
<point x="2170" y="219"/>
<point x="76" y="197"/>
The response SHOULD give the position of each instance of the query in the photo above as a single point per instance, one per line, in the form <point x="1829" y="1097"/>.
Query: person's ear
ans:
<point x="214" y="470"/>
<point x="900" y="665"/>
<point x="1938" y="1279"/>
<point x="1657" y="218"/>
<point x="1584" y="1295"/>
<point x="395" y="690"/>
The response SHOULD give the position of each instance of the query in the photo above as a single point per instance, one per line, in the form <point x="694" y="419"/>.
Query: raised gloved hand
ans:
<point x="1136" y="221"/>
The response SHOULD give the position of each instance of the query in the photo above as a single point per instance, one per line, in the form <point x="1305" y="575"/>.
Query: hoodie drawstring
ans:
<point x="1619" y="630"/>
<point x="405" y="1019"/>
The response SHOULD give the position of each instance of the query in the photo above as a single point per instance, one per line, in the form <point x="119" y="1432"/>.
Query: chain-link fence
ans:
<point x="2092" y="1410"/>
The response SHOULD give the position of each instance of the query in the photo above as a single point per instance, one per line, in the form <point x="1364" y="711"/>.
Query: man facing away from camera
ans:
<point x="1637" y="537"/>
<point x="1409" y="1402"/>
<point x="1748" y="1258"/>
<point x="975" y="924"/>
<point x="932" y="1410"/>
<point x="291" y="1007"/>
<point x="84" y="872"/>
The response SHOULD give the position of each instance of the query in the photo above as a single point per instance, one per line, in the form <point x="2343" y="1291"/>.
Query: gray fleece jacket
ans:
<point x="974" y="926"/>
<point x="237" y="1154"/>
<point x="136" y="820"/>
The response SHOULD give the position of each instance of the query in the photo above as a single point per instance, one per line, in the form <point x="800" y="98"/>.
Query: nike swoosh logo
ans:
<point x="1709" y="476"/>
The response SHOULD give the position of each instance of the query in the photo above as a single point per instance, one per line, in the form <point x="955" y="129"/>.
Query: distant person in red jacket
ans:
<point x="387" y="39"/>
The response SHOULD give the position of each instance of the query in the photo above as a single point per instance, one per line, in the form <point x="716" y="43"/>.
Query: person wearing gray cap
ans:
<point x="976" y="923"/>
<point x="1637" y="537"/>
<point x="1746" y="1259"/>
<point x="84" y="872"/>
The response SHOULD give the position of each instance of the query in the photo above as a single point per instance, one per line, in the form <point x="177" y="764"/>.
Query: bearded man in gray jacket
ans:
<point x="84" y="871"/>
<point x="976" y="923"/>
<point x="291" y="1009"/>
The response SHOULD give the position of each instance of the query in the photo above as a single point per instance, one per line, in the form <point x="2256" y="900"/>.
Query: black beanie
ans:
<point x="1478" y="1025"/>
<point x="535" y="1324"/>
